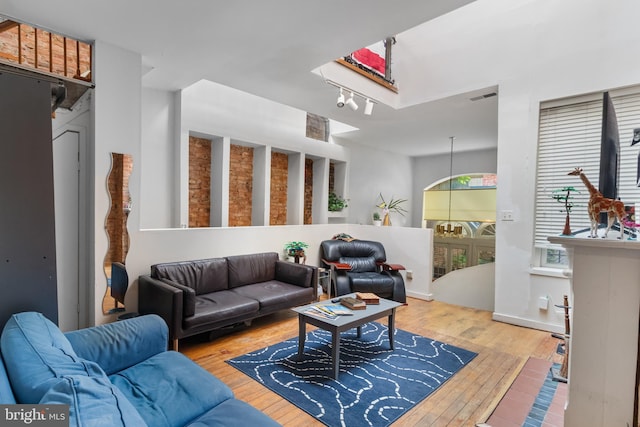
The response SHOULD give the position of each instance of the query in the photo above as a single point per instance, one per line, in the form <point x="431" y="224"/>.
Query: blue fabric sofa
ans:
<point x="119" y="374"/>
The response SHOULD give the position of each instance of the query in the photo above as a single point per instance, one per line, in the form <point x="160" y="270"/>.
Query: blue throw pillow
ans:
<point x="35" y="352"/>
<point x="93" y="402"/>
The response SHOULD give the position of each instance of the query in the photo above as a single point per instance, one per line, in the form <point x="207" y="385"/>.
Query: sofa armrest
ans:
<point x="156" y="297"/>
<point x="188" y="297"/>
<point x="120" y="345"/>
<point x="295" y="274"/>
<point x="392" y="267"/>
<point x="337" y="265"/>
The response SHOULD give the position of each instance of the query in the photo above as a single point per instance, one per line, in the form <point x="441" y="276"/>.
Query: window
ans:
<point x="569" y="137"/>
<point x="373" y="62"/>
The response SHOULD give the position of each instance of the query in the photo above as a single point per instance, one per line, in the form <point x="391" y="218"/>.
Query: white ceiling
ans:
<point x="269" y="48"/>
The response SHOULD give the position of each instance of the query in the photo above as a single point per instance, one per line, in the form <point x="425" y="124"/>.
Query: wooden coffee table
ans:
<point x="344" y="323"/>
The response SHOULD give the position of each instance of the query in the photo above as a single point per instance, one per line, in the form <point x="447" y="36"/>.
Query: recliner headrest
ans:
<point x="333" y="250"/>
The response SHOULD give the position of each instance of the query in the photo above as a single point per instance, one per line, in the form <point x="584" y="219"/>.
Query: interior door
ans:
<point x="27" y="230"/>
<point x="66" y="193"/>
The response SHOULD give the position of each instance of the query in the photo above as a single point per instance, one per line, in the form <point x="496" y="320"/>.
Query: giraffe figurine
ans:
<point x="598" y="203"/>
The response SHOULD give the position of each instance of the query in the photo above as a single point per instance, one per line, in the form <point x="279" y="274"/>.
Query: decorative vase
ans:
<point x="386" y="220"/>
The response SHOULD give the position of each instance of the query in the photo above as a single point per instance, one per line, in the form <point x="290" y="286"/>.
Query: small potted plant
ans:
<point x="564" y="196"/>
<point x="296" y="251"/>
<point x="377" y="221"/>
<point x="391" y="206"/>
<point x="336" y="203"/>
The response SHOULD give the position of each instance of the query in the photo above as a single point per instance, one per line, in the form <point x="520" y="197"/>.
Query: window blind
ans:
<point x="569" y="137"/>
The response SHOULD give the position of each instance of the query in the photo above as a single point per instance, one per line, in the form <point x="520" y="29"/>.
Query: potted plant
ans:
<point x="377" y="221"/>
<point x="390" y="206"/>
<point x="336" y="203"/>
<point x="296" y="251"/>
<point x="564" y="196"/>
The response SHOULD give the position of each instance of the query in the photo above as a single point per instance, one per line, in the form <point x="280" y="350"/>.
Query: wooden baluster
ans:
<point x="89" y="76"/>
<point x="35" y="47"/>
<point x="50" y="52"/>
<point x="19" y="44"/>
<point x="77" y="59"/>
<point x="64" y="54"/>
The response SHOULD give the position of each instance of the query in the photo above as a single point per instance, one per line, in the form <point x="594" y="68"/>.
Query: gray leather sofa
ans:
<point x="200" y="296"/>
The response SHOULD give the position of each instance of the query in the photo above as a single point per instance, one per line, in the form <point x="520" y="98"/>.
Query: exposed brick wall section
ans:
<point x="46" y="55"/>
<point x="317" y="127"/>
<point x="279" y="186"/>
<point x="199" y="182"/>
<point x="308" y="191"/>
<point x="332" y="176"/>
<point x="240" y="185"/>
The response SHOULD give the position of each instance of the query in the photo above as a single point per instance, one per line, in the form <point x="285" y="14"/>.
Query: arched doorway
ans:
<point x="461" y="211"/>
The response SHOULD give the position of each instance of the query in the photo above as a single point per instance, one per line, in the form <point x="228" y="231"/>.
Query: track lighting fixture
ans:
<point x="340" y="102"/>
<point x="368" y="107"/>
<point x="352" y="103"/>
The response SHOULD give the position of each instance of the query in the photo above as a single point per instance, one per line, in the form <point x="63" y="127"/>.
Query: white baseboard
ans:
<point x="528" y="323"/>
<point x="420" y="295"/>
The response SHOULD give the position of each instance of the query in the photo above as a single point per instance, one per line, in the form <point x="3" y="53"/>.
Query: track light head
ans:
<point x="368" y="107"/>
<point x="340" y="102"/>
<point x="352" y="103"/>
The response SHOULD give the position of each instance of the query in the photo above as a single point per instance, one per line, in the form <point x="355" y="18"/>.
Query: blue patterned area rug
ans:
<point x="375" y="386"/>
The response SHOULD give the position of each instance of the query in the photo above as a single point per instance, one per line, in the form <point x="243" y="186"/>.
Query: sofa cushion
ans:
<point x="274" y="295"/>
<point x="378" y="283"/>
<point x="203" y="276"/>
<point x="6" y="394"/>
<point x="234" y="413"/>
<point x="253" y="268"/>
<point x="93" y="402"/>
<point x="359" y="264"/>
<point x="36" y="353"/>
<point x="219" y="306"/>
<point x="169" y="389"/>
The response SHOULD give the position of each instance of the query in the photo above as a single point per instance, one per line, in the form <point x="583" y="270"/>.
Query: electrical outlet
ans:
<point x="507" y="215"/>
<point x="543" y="303"/>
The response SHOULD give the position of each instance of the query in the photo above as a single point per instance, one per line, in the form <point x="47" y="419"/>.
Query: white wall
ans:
<point x="214" y="109"/>
<point x="534" y="50"/>
<point x="372" y="172"/>
<point x="150" y="136"/>
<point x="158" y="172"/>
<point x="470" y="287"/>
<point x="429" y="169"/>
<point x="116" y="112"/>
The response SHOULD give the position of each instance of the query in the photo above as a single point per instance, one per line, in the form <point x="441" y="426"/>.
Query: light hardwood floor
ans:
<point x="466" y="399"/>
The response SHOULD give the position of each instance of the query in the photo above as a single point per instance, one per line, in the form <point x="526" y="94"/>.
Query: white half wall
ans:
<point x="470" y="287"/>
<point x="372" y="172"/>
<point x="408" y="246"/>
